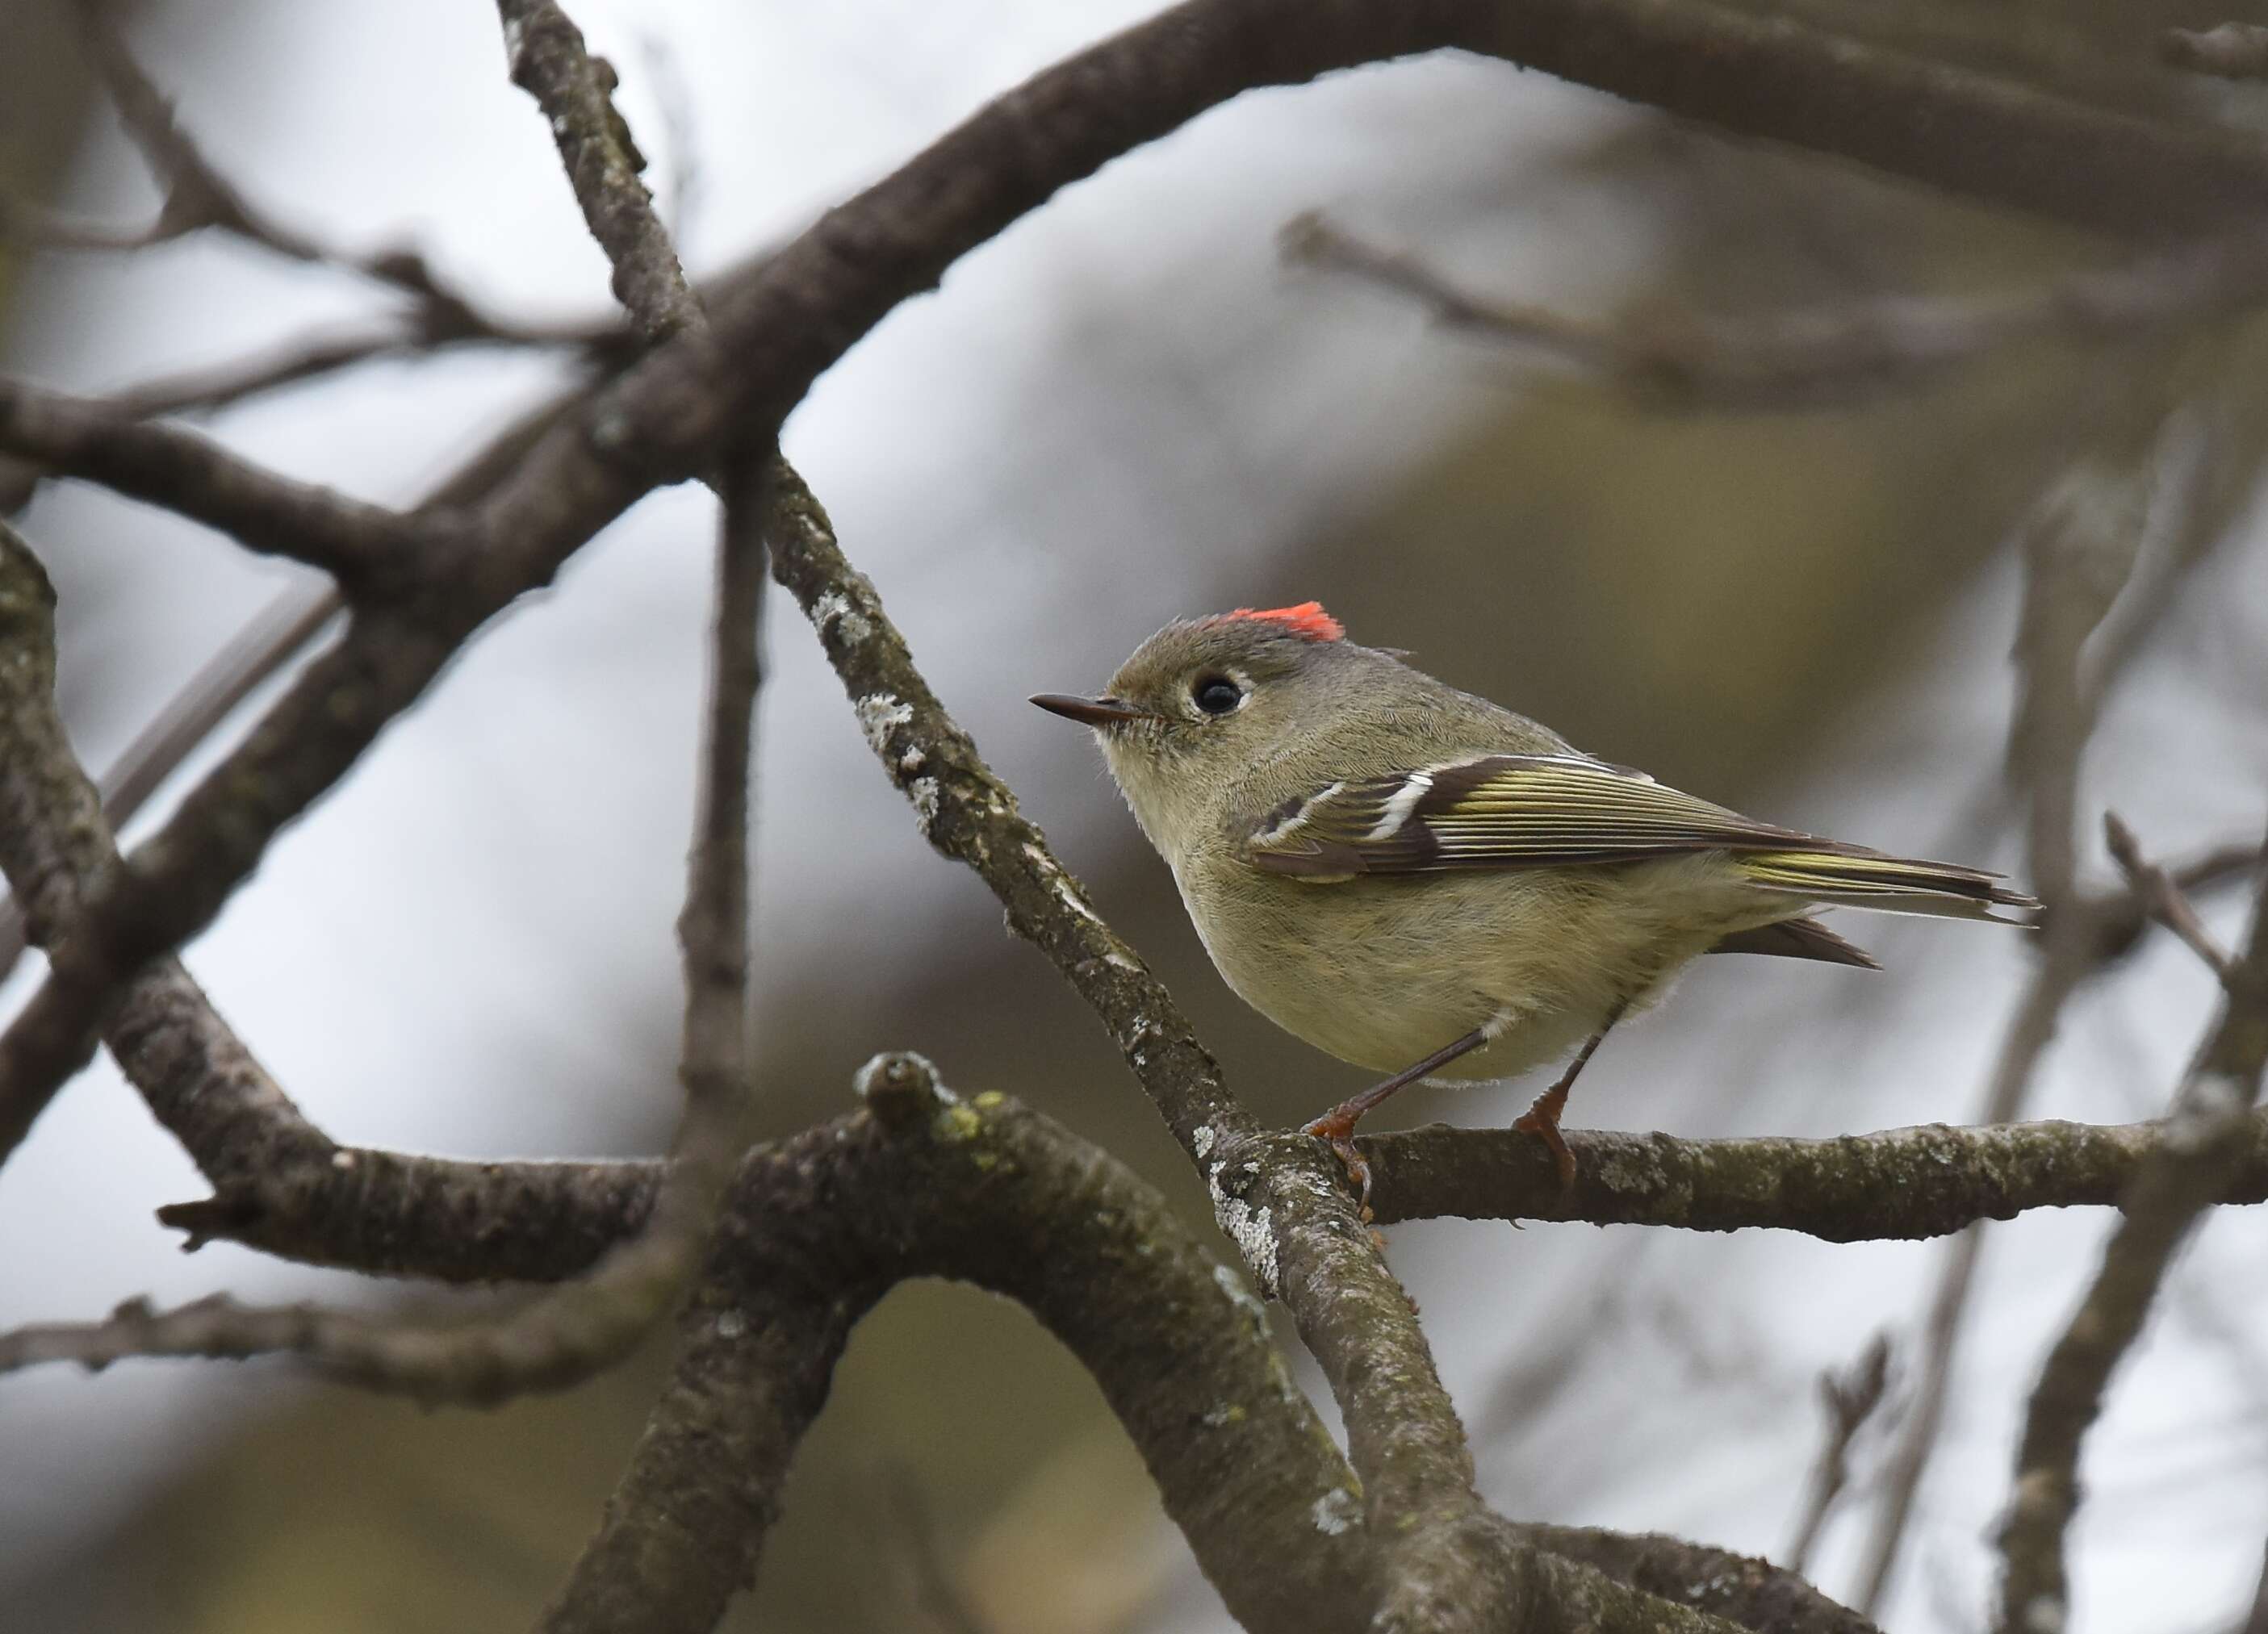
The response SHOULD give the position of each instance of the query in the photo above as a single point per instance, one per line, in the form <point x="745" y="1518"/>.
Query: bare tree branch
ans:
<point x="2208" y="1132"/>
<point x="785" y="323"/>
<point x="1835" y="354"/>
<point x="186" y="472"/>
<point x="925" y="1184"/>
<point x="2120" y="918"/>
<point x="2080" y="544"/>
<point x="325" y="353"/>
<point x="2163" y="896"/>
<point x="198" y="196"/>
<point x="1850" y="1397"/>
<point x="576" y="90"/>
<point x="1897" y="1184"/>
<point x="573" y="1330"/>
<point x="398" y="1215"/>
<point x="177" y="881"/>
<point x="1752" y="1593"/>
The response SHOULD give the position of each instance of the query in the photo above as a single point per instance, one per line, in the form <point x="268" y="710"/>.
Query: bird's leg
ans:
<point x="1337" y="1125"/>
<point x="1541" y="1119"/>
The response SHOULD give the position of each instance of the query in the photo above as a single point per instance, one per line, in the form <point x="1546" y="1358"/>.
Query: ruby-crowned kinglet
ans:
<point x="1420" y="882"/>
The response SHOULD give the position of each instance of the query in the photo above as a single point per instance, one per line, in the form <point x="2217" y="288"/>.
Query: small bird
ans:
<point x="1420" y="882"/>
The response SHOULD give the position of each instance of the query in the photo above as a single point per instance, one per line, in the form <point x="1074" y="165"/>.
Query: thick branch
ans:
<point x="1739" y="1588"/>
<point x="172" y="886"/>
<point x="925" y="1185"/>
<point x="1902" y="1184"/>
<point x="56" y="850"/>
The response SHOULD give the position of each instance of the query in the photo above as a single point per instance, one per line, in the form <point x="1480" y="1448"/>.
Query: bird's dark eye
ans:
<point x="1216" y="694"/>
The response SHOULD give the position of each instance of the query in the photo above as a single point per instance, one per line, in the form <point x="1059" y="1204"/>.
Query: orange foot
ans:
<point x="1542" y="1120"/>
<point x="1336" y="1127"/>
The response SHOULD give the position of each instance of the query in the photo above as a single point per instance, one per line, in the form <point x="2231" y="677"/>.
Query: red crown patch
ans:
<point x="1307" y="621"/>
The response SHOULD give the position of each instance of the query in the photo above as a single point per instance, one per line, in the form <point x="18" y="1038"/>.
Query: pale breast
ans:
<point x="1382" y="972"/>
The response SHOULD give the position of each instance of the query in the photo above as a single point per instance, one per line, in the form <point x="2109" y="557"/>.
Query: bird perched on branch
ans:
<point x="1420" y="882"/>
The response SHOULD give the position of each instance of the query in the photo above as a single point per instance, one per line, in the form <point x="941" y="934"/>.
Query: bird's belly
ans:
<point x="1412" y="965"/>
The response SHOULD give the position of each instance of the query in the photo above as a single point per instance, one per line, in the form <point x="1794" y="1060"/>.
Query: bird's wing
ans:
<point x="1534" y="811"/>
<point x="1504" y="811"/>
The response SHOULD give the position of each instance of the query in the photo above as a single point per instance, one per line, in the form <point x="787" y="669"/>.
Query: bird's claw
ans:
<point x="1546" y="1131"/>
<point x="1338" y="1133"/>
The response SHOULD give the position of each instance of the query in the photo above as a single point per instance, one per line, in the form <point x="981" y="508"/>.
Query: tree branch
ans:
<point x="364" y="546"/>
<point x="1805" y="358"/>
<point x="2162" y="896"/>
<point x="2208" y="1137"/>
<point x="1899" y="1185"/>
<point x="573" y="1331"/>
<point x="172" y="887"/>
<point x="575" y="91"/>
<point x="786" y="321"/>
<point x="2080" y="544"/>
<point x="1850" y="1396"/>
<point x="923" y="1184"/>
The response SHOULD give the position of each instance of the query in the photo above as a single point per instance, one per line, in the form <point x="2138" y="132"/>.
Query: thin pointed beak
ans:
<point x="1090" y="711"/>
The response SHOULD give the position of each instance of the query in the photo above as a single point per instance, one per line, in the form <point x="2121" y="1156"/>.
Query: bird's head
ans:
<point x="1202" y="701"/>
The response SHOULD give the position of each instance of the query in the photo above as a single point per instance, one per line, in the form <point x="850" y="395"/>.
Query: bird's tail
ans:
<point x="1895" y="885"/>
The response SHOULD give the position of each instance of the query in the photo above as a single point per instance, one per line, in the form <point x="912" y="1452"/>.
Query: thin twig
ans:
<point x="1836" y="354"/>
<point x="198" y="196"/>
<point x="2208" y="1133"/>
<point x="1850" y="1397"/>
<point x="2118" y="919"/>
<point x="324" y="353"/>
<point x="2080" y="546"/>
<point x="2163" y="897"/>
